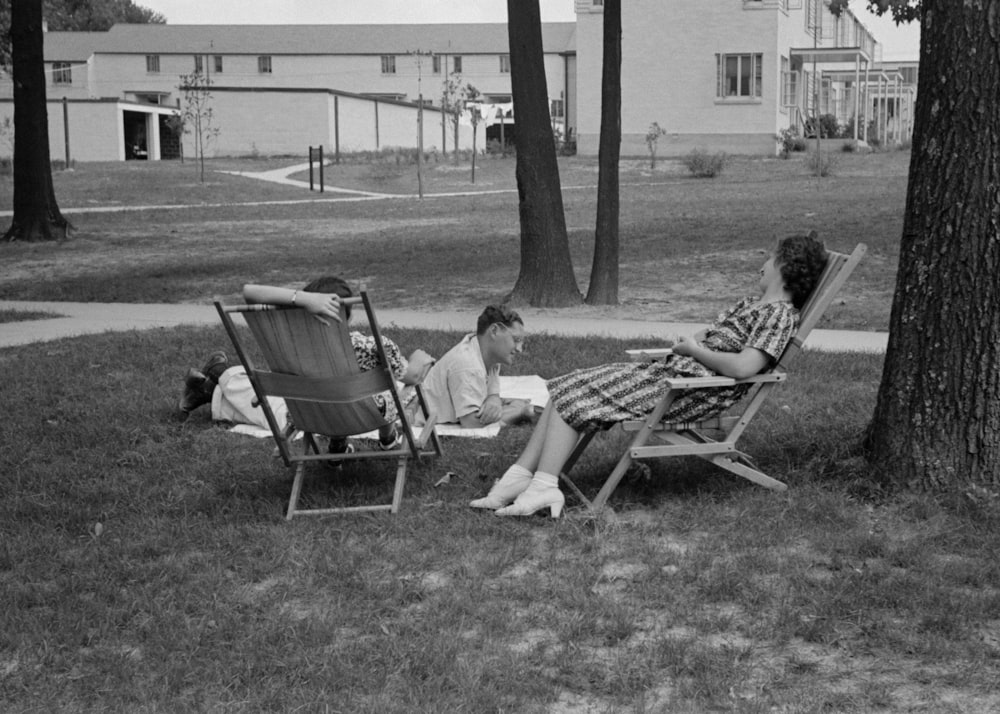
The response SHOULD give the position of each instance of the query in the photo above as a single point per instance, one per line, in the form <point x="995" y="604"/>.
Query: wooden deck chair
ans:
<point x="701" y="438"/>
<point x="313" y="367"/>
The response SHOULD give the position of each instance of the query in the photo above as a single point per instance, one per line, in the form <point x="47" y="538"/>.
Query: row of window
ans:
<point x="264" y="65"/>
<point x="739" y="75"/>
<point x="153" y="64"/>
<point x="389" y="64"/>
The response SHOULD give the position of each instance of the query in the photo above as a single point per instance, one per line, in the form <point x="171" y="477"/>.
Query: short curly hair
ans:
<point x="801" y="260"/>
<point x="496" y="315"/>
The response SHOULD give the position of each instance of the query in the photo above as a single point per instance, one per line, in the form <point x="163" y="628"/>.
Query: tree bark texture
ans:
<point x="546" y="277"/>
<point x="36" y="214"/>
<point x="603" y="287"/>
<point x="937" y="421"/>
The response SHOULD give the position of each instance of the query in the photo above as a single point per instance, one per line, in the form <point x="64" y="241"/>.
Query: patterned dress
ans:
<point x="599" y="397"/>
<point x="367" y="355"/>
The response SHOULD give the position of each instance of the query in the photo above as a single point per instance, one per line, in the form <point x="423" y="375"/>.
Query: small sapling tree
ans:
<point x="196" y="115"/>
<point x="652" y="139"/>
<point x="452" y="104"/>
<point x="470" y="100"/>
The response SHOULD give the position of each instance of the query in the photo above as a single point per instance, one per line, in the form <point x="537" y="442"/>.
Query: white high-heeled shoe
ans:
<point x="503" y="492"/>
<point x="537" y="496"/>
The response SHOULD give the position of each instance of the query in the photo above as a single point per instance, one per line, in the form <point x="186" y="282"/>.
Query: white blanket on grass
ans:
<point x="529" y="387"/>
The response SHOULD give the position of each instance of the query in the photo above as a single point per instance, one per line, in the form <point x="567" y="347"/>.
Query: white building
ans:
<point x="715" y="74"/>
<point x="279" y="89"/>
<point x="730" y="74"/>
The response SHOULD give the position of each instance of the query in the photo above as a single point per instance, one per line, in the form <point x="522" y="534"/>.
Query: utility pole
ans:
<point x="817" y="29"/>
<point x="420" y="54"/>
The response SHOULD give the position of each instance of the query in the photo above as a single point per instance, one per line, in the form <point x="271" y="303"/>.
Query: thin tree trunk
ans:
<point x="937" y="421"/>
<point x="603" y="288"/>
<point x="36" y="214"/>
<point x="546" y="278"/>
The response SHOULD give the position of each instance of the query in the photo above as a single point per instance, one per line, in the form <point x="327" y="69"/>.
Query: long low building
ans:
<point x="278" y="89"/>
<point x="719" y="75"/>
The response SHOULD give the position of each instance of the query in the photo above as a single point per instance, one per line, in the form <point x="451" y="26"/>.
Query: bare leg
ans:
<point x="560" y="440"/>
<point x="533" y="449"/>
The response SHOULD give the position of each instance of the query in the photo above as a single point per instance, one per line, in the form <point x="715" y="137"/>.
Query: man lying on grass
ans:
<point x="469" y="369"/>
<point x="464" y="386"/>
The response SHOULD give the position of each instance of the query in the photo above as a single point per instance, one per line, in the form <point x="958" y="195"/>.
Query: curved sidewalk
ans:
<point x="77" y="319"/>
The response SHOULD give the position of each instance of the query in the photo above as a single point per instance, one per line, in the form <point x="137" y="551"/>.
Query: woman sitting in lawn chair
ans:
<point x="742" y="342"/>
<point x="229" y="389"/>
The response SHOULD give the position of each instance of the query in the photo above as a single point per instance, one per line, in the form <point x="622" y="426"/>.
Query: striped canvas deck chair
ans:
<point x="313" y="367"/>
<point x="655" y="438"/>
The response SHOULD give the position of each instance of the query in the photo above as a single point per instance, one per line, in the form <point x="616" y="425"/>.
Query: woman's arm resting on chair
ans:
<point x="738" y="365"/>
<point x="322" y="305"/>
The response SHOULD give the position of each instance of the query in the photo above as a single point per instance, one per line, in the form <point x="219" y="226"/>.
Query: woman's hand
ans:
<point x="323" y="306"/>
<point x="738" y="365"/>
<point x="687" y="346"/>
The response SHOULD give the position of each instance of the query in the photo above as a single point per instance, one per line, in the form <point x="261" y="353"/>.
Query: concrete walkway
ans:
<point x="75" y="319"/>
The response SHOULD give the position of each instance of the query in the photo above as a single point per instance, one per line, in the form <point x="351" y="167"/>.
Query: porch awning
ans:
<point x="829" y="55"/>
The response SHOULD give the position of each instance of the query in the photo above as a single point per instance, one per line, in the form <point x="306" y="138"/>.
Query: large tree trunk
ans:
<point x="546" y="278"/>
<point x="603" y="288"/>
<point x="937" y="421"/>
<point x="36" y="214"/>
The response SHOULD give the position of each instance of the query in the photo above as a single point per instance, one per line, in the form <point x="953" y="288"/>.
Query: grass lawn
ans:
<point x="690" y="247"/>
<point x="145" y="564"/>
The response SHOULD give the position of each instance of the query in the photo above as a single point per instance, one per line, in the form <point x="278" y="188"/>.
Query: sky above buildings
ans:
<point x="898" y="43"/>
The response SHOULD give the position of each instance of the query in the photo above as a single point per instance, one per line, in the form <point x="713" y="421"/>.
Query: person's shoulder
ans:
<point x="780" y="312"/>
<point x="460" y="347"/>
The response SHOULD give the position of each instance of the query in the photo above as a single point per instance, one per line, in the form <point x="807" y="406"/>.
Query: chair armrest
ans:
<point x="711" y="382"/>
<point x="650" y="353"/>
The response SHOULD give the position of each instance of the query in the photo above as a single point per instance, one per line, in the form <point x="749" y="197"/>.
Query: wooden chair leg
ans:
<point x="611" y="483"/>
<point x="397" y="493"/>
<point x="293" y="499"/>
<point x="748" y="473"/>
<point x="571" y="460"/>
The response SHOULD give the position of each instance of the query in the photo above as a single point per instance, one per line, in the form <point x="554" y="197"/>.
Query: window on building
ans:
<point x="62" y="73"/>
<point x="814" y="16"/>
<point x="217" y="62"/>
<point x="739" y="76"/>
<point x="199" y="64"/>
<point x="456" y="63"/>
<point x="504" y="64"/>
<point x="436" y="64"/>
<point x="789" y="86"/>
<point x="264" y="64"/>
<point x="557" y="108"/>
<point x="152" y="63"/>
<point x="388" y="64"/>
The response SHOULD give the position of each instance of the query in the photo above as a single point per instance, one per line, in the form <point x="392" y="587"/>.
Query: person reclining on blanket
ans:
<point x="742" y="342"/>
<point x="463" y="387"/>
<point x="229" y="391"/>
<point x="463" y="380"/>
